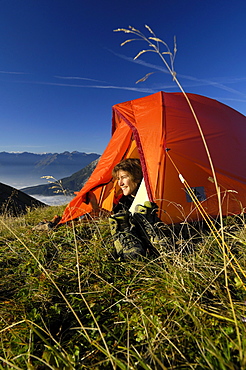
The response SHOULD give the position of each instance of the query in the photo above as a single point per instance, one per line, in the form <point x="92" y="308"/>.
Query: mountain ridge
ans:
<point x="27" y="168"/>
<point x="67" y="186"/>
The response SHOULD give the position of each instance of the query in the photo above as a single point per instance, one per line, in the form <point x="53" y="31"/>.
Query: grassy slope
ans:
<point x="64" y="304"/>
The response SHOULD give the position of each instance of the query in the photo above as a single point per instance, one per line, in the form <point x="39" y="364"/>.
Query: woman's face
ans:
<point x="125" y="182"/>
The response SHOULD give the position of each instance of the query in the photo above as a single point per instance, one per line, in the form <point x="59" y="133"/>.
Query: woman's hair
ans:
<point x="132" y="166"/>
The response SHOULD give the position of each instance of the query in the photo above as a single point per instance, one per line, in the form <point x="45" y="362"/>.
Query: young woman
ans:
<point x="133" y="235"/>
<point x="129" y="176"/>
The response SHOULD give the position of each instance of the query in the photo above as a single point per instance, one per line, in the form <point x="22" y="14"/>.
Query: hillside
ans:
<point x="68" y="184"/>
<point x="15" y="202"/>
<point x="27" y="169"/>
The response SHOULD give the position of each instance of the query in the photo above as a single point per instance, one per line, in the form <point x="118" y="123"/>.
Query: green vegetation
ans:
<point x="65" y="303"/>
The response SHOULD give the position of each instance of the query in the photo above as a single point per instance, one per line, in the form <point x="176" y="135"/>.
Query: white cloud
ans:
<point x="78" y="78"/>
<point x="199" y="82"/>
<point x="13" y="73"/>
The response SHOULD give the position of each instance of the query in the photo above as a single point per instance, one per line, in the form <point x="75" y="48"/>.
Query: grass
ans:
<point x="67" y="304"/>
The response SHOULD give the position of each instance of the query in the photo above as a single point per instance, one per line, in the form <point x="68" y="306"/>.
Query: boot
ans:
<point x="126" y="242"/>
<point x="149" y="225"/>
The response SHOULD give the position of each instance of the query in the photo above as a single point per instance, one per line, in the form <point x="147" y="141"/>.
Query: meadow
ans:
<point x="66" y="303"/>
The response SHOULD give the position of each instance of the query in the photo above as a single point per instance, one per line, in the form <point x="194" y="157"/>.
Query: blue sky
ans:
<point x="62" y="67"/>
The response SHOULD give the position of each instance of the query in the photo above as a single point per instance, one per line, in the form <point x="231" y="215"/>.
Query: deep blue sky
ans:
<point x="62" y="67"/>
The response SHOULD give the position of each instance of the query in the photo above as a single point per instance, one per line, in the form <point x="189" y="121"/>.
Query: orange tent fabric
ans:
<point x="161" y="130"/>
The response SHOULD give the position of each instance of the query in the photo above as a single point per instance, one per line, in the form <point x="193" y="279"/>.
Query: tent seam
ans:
<point x="141" y="153"/>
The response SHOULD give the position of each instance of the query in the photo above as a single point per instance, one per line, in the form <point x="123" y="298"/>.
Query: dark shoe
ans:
<point x="149" y="210"/>
<point x="146" y="219"/>
<point x="149" y="225"/>
<point x="127" y="244"/>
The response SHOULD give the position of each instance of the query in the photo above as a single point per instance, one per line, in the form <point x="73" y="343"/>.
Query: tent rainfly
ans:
<point x="160" y="129"/>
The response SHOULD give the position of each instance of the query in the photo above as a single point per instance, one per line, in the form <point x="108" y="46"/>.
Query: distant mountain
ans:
<point x="69" y="184"/>
<point x="15" y="202"/>
<point x="25" y="168"/>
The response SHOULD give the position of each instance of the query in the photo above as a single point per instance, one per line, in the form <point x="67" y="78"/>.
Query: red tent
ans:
<point x="161" y="130"/>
